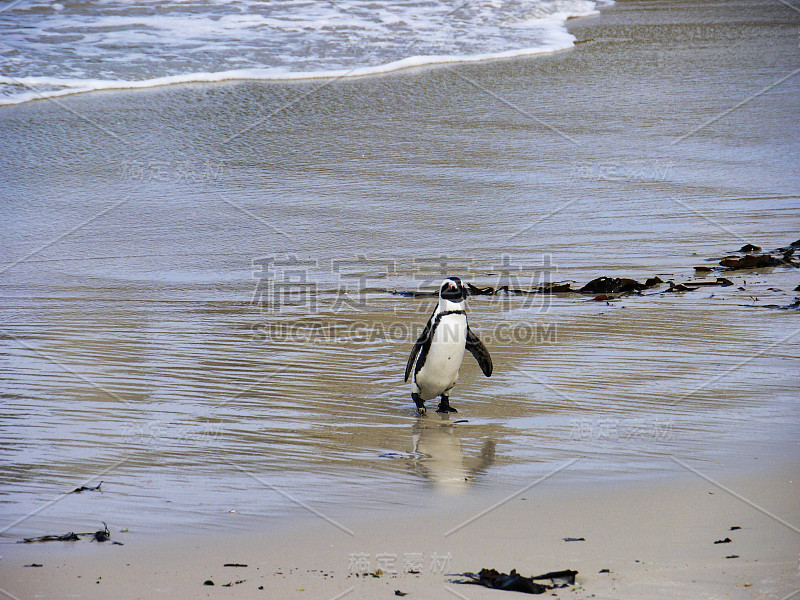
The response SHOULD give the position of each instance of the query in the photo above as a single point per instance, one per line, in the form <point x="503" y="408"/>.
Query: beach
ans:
<point x="208" y="296"/>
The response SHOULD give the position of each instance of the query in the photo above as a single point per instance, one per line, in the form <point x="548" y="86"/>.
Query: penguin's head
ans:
<point x="452" y="290"/>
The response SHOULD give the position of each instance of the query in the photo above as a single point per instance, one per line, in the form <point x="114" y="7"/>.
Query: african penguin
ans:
<point x="440" y="349"/>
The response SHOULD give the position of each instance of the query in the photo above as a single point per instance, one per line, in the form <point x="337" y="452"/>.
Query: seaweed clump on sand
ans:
<point x="514" y="582"/>
<point x="101" y="535"/>
<point x="614" y="285"/>
<point x="754" y="258"/>
<point x="748" y="257"/>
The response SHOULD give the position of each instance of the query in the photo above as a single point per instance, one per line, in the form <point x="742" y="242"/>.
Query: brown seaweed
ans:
<point x="751" y="261"/>
<point x="84" y="488"/>
<point x="612" y="285"/>
<point x="101" y="535"/>
<point x="753" y="258"/>
<point x="510" y="582"/>
<point x="514" y="582"/>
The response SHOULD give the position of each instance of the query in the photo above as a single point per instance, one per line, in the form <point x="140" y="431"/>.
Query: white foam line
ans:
<point x="82" y="86"/>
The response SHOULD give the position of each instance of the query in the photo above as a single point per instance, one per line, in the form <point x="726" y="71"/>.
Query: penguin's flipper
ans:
<point x="479" y="351"/>
<point x="417" y="347"/>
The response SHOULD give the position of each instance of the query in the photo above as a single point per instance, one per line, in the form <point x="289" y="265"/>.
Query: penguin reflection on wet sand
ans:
<point x="439" y="455"/>
<point x="437" y="354"/>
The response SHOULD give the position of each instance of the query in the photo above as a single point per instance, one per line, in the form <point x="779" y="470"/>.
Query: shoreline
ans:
<point x="275" y="74"/>
<point x="249" y="75"/>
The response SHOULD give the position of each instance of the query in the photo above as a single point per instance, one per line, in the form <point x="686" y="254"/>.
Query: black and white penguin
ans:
<point x="440" y="349"/>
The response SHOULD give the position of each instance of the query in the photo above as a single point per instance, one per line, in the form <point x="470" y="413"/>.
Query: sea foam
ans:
<point x="74" y="47"/>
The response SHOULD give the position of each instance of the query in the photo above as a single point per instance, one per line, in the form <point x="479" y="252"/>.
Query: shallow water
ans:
<point x="196" y="287"/>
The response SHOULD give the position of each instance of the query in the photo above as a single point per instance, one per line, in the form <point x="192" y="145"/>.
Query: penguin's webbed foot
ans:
<point x="420" y="403"/>
<point x="444" y="406"/>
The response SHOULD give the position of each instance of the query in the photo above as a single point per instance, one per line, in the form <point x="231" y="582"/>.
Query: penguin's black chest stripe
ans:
<point x="423" y="353"/>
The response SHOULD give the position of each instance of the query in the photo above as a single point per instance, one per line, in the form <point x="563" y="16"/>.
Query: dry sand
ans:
<point x="655" y="539"/>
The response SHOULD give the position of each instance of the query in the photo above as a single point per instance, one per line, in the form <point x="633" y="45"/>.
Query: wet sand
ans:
<point x="667" y="136"/>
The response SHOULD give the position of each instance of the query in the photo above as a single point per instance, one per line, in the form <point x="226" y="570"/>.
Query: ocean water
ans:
<point x="49" y="49"/>
<point x="196" y="281"/>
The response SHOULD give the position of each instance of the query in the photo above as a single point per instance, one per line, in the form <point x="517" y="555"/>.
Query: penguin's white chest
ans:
<point x="439" y="373"/>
